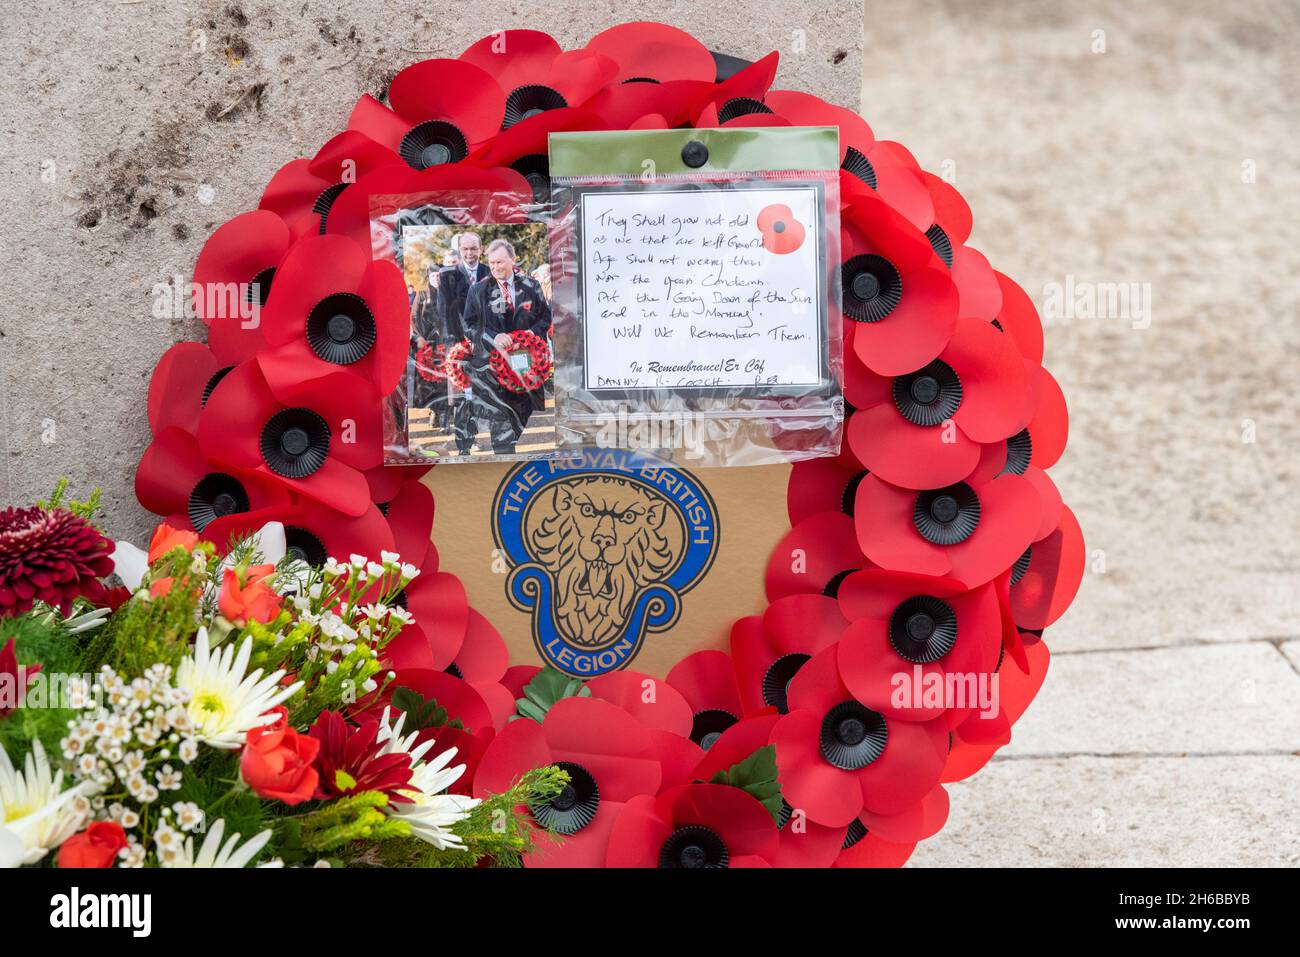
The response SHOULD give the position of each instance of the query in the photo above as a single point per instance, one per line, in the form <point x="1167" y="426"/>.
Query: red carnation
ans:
<point x="350" y="760"/>
<point x="96" y="846"/>
<point x="50" y="556"/>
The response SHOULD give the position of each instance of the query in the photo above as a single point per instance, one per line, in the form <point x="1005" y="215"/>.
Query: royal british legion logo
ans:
<point x="602" y="545"/>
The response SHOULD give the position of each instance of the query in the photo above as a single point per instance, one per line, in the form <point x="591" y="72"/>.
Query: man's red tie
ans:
<point x="505" y="294"/>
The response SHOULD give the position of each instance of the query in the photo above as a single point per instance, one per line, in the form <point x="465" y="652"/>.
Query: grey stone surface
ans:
<point x="125" y="145"/>
<point x="1208" y="699"/>
<point x="1127" y="167"/>
<point x="1123" y="812"/>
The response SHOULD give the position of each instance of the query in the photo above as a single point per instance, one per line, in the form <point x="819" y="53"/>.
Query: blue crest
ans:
<point x="602" y="545"/>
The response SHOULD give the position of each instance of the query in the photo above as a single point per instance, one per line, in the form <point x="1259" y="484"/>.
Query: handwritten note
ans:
<point x="703" y="289"/>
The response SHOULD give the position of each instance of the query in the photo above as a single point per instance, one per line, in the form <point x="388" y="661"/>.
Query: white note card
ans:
<point x="704" y="290"/>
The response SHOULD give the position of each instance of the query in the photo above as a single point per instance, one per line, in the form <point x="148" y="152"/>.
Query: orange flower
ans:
<point x="96" y="846"/>
<point x="251" y="601"/>
<point x="160" y="586"/>
<point x="166" y="538"/>
<point x="277" y="761"/>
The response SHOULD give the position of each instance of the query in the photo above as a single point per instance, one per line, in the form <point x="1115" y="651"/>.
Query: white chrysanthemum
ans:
<point x="431" y="813"/>
<point x="224" y="701"/>
<point x="34" y="808"/>
<point x="213" y="853"/>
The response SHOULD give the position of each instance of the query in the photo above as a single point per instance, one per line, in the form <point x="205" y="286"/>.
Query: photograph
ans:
<point x="481" y="330"/>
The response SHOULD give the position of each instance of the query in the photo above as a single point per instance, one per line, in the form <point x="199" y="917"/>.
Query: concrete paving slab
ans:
<point x="1123" y="812"/>
<point x="1209" y="699"/>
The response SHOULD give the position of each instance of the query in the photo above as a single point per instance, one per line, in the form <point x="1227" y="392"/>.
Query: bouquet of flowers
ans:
<point x="223" y="708"/>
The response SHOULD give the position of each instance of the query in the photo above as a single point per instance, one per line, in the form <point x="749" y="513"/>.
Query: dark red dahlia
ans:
<point x="51" y="556"/>
<point x="350" y="760"/>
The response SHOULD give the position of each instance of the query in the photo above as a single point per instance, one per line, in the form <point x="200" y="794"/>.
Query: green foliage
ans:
<point x="38" y="639"/>
<point x="421" y="712"/>
<point x="547" y="687"/>
<point x="159" y="630"/>
<point x="757" y="776"/>
<point x="86" y="509"/>
<point x="333" y="826"/>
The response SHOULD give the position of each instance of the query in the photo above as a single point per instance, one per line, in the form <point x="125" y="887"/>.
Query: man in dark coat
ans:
<point x="505" y="302"/>
<point x="454" y="283"/>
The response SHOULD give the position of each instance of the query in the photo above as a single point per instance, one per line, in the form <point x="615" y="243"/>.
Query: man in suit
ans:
<point x="454" y="283"/>
<point x="505" y="302"/>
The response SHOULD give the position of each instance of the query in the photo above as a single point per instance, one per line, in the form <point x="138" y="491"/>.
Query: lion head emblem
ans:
<point x="602" y="539"/>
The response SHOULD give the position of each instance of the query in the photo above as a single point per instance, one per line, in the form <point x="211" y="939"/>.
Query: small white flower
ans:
<point x="409" y="572"/>
<point x="389" y="558"/>
<point x="189" y="816"/>
<point x="358" y="561"/>
<point x="188" y="750"/>
<point x="168" y="778"/>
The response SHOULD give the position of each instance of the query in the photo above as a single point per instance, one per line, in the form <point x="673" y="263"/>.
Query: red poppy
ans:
<point x="769" y="650"/>
<point x="652" y="701"/>
<point x="813" y="557"/>
<point x="872" y="851"/>
<point x="441" y="610"/>
<point x="312" y="532"/>
<point x="782" y="233"/>
<point x="739" y="99"/>
<point x="1050" y="424"/>
<point x="694" y="825"/>
<point x="870" y="165"/>
<point x="707" y="680"/>
<point x="924" y="429"/>
<point x="823" y="485"/>
<point x="180" y="385"/>
<point x="481" y="662"/>
<point x="1050" y="576"/>
<point x="610" y="758"/>
<point x="302" y="192"/>
<point x="233" y="278"/>
<point x="1018" y="318"/>
<point x="334" y="310"/>
<point x="440" y="110"/>
<point x="897" y="291"/>
<point x="316" y="443"/>
<point x="410" y="516"/>
<point x="837" y="756"/>
<point x="177" y="480"/>
<point x="970" y="532"/>
<point x="952" y="217"/>
<point x="921" y="820"/>
<point x="537" y="74"/>
<point x="978" y="738"/>
<point x="654" y="51"/>
<point x="979" y="295"/>
<point x="919" y="628"/>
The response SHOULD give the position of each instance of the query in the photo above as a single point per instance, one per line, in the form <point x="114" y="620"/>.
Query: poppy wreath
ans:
<point x="933" y="548"/>
<point x="454" y="364"/>
<point x="430" y="362"/>
<point x="540" y="364"/>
